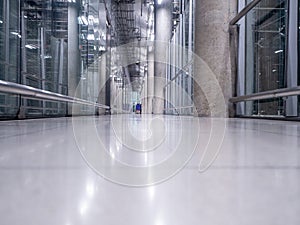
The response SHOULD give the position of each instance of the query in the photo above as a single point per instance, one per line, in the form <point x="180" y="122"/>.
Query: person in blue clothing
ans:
<point x="138" y="108"/>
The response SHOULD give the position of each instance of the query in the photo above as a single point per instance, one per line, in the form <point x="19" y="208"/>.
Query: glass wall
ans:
<point x="92" y="45"/>
<point x="179" y="90"/>
<point x="298" y="70"/>
<point x="35" y="49"/>
<point x="267" y="57"/>
<point x="44" y="53"/>
<point x="9" y="54"/>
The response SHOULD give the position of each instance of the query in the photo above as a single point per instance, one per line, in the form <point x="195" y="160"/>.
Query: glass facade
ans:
<point x="35" y="50"/>
<point x="298" y="69"/>
<point x="179" y="89"/>
<point x="266" y="61"/>
<point x="44" y="34"/>
<point x="9" y="54"/>
<point x="93" y="31"/>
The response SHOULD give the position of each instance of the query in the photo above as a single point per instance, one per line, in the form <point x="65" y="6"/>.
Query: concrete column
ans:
<point x="108" y="67"/>
<point x="163" y="31"/>
<point x="73" y="53"/>
<point x="144" y="97"/>
<point x="102" y="82"/>
<point x="292" y="75"/>
<point x="150" y="82"/>
<point x="249" y="70"/>
<point x="212" y="45"/>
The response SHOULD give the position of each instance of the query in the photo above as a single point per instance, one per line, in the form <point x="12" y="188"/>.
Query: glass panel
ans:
<point x="266" y="32"/>
<point x="44" y="58"/>
<point x="34" y="51"/>
<point x="179" y="92"/>
<point x="9" y="54"/>
<point x="299" y="54"/>
<point x="92" y="45"/>
<point x="2" y="41"/>
<point x="2" y="32"/>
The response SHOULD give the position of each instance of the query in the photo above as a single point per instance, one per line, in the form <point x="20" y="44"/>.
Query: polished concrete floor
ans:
<point x="50" y="173"/>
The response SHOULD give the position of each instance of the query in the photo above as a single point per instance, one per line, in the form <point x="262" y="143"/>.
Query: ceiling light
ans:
<point x="90" y="37"/>
<point x="101" y="48"/>
<point x="159" y="2"/>
<point x="30" y="46"/>
<point x="15" y="33"/>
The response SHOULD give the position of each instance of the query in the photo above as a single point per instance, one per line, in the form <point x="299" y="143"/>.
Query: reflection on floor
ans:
<point x="45" y="178"/>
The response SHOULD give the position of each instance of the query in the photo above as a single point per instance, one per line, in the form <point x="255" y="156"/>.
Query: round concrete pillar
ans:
<point x="212" y="45"/>
<point x="163" y="31"/>
<point x="73" y="53"/>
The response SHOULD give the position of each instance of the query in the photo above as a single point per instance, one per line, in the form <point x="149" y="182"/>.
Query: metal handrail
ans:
<point x="244" y="11"/>
<point x="284" y="92"/>
<point x="19" y="89"/>
<point x="180" y="107"/>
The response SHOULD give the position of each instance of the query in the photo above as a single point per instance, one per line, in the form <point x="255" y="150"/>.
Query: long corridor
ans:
<point x="48" y="177"/>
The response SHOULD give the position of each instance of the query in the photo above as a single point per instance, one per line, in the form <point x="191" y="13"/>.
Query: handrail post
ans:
<point x="233" y="45"/>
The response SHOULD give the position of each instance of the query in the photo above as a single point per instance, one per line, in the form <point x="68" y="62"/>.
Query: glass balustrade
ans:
<point x="267" y="57"/>
<point x="179" y="89"/>
<point x="36" y="50"/>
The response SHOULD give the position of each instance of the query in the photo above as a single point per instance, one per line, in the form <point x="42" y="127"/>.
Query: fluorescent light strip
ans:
<point x="278" y="51"/>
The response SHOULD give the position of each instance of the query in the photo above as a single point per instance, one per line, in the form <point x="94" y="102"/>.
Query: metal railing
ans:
<point x="19" y="89"/>
<point x="176" y="109"/>
<point x="279" y="93"/>
<point x="244" y="11"/>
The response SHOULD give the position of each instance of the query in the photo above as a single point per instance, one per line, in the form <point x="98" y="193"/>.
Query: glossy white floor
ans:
<point x="44" y="178"/>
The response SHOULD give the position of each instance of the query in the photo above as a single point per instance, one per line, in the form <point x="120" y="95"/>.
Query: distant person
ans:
<point x="138" y="108"/>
